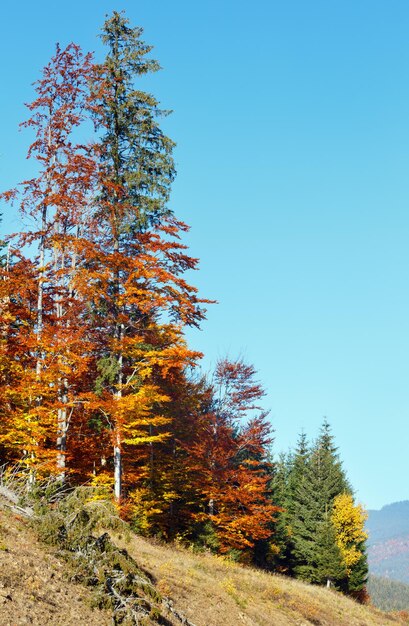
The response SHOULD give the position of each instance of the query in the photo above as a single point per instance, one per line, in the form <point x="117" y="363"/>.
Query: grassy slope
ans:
<point x="207" y="589"/>
<point x="211" y="591"/>
<point x="33" y="589"/>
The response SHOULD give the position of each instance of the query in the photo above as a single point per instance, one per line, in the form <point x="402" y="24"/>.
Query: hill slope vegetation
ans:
<point x="200" y="589"/>
<point x="388" y="543"/>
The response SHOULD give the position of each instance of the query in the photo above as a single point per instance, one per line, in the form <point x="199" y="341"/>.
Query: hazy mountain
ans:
<point x="388" y="544"/>
<point x="387" y="594"/>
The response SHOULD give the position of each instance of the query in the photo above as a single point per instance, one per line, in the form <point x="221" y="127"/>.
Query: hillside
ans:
<point x="211" y="591"/>
<point x="33" y="589"/>
<point x="207" y="590"/>
<point x="388" y="544"/>
<point x="388" y="594"/>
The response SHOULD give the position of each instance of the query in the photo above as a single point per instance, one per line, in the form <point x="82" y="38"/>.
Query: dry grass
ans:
<point x="33" y="588"/>
<point x="211" y="591"/>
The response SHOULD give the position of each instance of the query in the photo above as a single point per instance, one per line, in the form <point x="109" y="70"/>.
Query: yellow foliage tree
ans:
<point x="348" y="520"/>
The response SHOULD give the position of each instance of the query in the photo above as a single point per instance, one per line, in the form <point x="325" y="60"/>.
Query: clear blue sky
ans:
<point x="292" y="125"/>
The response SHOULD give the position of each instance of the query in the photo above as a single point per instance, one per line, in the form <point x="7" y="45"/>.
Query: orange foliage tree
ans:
<point x="93" y="306"/>
<point x="133" y="280"/>
<point x="111" y="301"/>
<point x="229" y="459"/>
<point x="50" y="354"/>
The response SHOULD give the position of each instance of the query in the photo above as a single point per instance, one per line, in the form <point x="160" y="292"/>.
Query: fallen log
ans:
<point x="9" y="495"/>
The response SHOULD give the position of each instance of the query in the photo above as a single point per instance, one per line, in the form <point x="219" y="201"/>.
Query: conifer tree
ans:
<point x="320" y="478"/>
<point x="139" y="300"/>
<point x="330" y="475"/>
<point x="320" y="527"/>
<point x="289" y="475"/>
<point x="358" y="576"/>
<point x="136" y="154"/>
<point x="131" y="149"/>
<point x="280" y="559"/>
<point x="328" y="566"/>
<point x="297" y="471"/>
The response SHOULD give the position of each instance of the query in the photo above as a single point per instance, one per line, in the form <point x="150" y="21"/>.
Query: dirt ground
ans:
<point x="32" y="586"/>
<point x="211" y="591"/>
<point x="208" y="590"/>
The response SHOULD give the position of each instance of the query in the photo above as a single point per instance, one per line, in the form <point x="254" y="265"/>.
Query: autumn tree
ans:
<point x="138" y="299"/>
<point x="348" y="520"/>
<point x="229" y="460"/>
<point x="23" y="433"/>
<point x="55" y="202"/>
<point x="111" y="300"/>
<point x="164" y="501"/>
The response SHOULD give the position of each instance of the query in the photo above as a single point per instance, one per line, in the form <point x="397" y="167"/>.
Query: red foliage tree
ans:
<point x="55" y="202"/>
<point x="229" y="459"/>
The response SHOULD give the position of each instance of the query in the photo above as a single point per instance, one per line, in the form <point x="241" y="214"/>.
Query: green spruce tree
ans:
<point x="135" y="175"/>
<point x="357" y="580"/>
<point x="135" y="271"/>
<point x="290" y="473"/>
<point x="329" y="568"/>
<point x="136" y="153"/>
<point x="317" y="477"/>
<point x="280" y="561"/>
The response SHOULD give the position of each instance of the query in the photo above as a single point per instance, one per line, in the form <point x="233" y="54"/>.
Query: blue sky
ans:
<point x="292" y="125"/>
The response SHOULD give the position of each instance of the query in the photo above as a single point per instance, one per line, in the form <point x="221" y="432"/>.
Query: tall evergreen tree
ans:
<point x="289" y="476"/>
<point x="329" y="473"/>
<point x="137" y="155"/>
<point x="281" y="559"/>
<point x="317" y="479"/>
<point x="137" y="169"/>
<point x="297" y="473"/>
<point x="329" y="568"/>
<point x="140" y="302"/>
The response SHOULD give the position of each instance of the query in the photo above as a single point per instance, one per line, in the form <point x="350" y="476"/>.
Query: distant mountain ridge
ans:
<point x="388" y="543"/>
<point x="387" y="594"/>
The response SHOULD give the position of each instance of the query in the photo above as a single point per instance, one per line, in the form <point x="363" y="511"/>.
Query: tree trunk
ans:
<point x="117" y="446"/>
<point x="40" y="293"/>
<point x="117" y="469"/>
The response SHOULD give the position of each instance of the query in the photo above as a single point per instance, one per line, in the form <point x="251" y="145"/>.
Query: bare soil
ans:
<point x="33" y="589"/>
<point x="207" y="590"/>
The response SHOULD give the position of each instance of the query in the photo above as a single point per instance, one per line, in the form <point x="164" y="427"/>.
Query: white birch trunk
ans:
<point x="119" y="331"/>
<point x="62" y="418"/>
<point x="62" y="382"/>
<point x="118" y="442"/>
<point x="117" y="469"/>
<point x="40" y="294"/>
